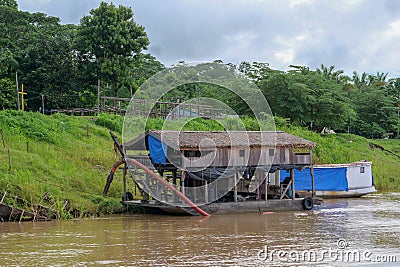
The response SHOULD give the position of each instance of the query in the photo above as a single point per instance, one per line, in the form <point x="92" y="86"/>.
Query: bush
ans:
<point x="30" y="125"/>
<point x="110" y="121"/>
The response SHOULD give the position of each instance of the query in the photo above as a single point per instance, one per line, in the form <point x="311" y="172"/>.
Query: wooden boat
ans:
<point x="214" y="172"/>
<point x="338" y="180"/>
<point x="11" y="213"/>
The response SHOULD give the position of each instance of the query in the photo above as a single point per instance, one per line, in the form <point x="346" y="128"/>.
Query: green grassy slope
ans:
<point x="55" y="154"/>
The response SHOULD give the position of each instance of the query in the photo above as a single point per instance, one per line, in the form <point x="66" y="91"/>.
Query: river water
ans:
<point x="363" y="231"/>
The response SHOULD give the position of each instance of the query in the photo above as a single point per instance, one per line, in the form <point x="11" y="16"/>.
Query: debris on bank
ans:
<point x="11" y="212"/>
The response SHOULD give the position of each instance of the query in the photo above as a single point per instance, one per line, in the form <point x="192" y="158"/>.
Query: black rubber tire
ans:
<point x="308" y="203"/>
<point x="128" y="196"/>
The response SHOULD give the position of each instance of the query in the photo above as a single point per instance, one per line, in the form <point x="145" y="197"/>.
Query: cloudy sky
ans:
<point x="361" y="35"/>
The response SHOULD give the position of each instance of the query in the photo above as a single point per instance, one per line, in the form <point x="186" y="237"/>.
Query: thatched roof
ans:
<point x="204" y="139"/>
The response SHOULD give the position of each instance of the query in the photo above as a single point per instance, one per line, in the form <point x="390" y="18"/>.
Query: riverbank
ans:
<point x="70" y="158"/>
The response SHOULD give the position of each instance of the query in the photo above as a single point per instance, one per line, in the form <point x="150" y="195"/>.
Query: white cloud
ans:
<point x="359" y="35"/>
<point x="295" y="3"/>
<point x="285" y="57"/>
<point x="394" y="28"/>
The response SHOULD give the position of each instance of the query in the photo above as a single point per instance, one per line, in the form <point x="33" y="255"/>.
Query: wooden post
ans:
<point x="292" y="180"/>
<point x="27" y="147"/>
<point x="87" y="130"/>
<point x="11" y="213"/>
<point x="398" y="118"/>
<point x="4" y="196"/>
<point x="194" y="189"/>
<point x="104" y="95"/>
<point x="183" y="182"/>
<point x="124" y="181"/>
<point x="312" y="175"/>
<point x="2" y="138"/>
<point x="98" y="96"/>
<point x="9" y="160"/>
<point x="235" y="188"/>
<point x="206" y="192"/>
<point x="22" y="97"/>
<point x="16" y="82"/>
<point x="312" y="180"/>
<point x="174" y="177"/>
<point x="21" y="216"/>
<point x="266" y="183"/>
<point x="174" y="199"/>
<point x="42" y="104"/>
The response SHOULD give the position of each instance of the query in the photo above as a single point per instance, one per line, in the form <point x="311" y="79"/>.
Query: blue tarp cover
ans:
<point x="325" y="179"/>
<point x="157" y="150"/>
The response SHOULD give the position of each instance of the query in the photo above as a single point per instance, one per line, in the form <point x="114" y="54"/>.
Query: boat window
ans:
<point x="271" y="152"/>
<point x="362" y="169"/>
<point x="192" y="153"/>
<point x="241" y="153"/>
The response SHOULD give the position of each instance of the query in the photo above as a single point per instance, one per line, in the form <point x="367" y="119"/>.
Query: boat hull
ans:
<point x="356" y="192"/>
<point x="271" y="205"/>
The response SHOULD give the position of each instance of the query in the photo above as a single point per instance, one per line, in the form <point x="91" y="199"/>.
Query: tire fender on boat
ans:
<point x="308" y="203"/>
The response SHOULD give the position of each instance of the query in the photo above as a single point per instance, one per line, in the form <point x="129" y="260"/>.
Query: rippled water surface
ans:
<point x="346" y="228"/>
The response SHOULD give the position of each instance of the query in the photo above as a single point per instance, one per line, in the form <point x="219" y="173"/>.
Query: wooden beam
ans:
<point x="235" y="188"/>
<point x="292" y="180"/>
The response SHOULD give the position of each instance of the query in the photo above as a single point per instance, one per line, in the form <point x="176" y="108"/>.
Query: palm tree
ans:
<point x="329" y="74"/>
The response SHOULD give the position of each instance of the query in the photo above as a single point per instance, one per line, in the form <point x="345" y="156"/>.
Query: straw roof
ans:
<point x="205" y="139"/>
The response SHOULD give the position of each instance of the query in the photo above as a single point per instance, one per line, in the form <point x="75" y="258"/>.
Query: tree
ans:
<point x="376" y="114"/>
<point x="7" y="94"/>
<point x="9" y="3"/>
<point x="108" y="42"/>
<point x="255" y="71"/>
<point x="308" y="98"/>
<point x="13" y="25"/>
<point x="143" y="68"/>
<point x="329" y="74"/>
<point x="38" y="48"/>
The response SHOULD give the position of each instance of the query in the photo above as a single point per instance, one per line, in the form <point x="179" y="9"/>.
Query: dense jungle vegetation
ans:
<point x="63" y="64"/>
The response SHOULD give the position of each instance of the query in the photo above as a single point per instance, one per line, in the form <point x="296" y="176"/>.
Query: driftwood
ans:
<point x="39" y="212"/>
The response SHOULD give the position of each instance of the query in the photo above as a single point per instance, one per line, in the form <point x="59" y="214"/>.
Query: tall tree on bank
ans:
<point x="108" y="41"/>
<point x="9" y="3"/>
<point x="37" y="48"/>
<point x="8" y="63"/>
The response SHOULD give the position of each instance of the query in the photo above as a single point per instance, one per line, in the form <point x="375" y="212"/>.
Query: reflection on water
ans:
<point x="371" y="223"/>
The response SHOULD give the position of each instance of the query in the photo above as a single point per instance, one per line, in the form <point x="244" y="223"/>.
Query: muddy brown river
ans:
<point x="363" y="231"/>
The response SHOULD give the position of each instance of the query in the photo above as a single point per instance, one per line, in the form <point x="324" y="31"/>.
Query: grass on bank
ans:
<point x="69" y="157"/>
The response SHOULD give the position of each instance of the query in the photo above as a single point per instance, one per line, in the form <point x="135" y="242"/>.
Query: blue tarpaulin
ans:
<point x="158" y="150"/>
<point x="325" y="179"/>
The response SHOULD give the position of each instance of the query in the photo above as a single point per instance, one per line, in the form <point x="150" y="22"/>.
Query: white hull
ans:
<point x="356" y="192"/>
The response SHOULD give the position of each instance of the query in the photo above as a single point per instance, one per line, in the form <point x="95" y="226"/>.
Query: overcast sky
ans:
<point x="361" y="35"/>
